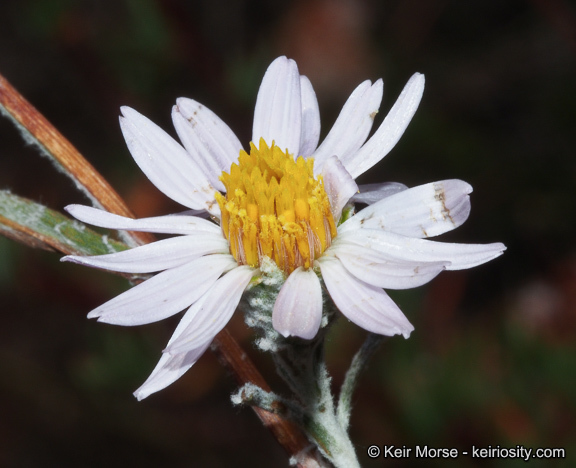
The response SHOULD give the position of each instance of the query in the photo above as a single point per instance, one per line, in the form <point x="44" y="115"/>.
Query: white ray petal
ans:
<point x="352" y="125"/>
<point x="367" y="306"/>
<point x="372" y="193"/>
<point x="424" y="211"/>
<point x="278" y="113"/>
<point x="168" y="166"/>
<point x="310" y="118"/>
<point x="171" y="368"/>
<point x="391" y="129"/>
<point x="338" y="184"/>
<point x="157" y="256"/>
<point x="460" y="256"/>
<point x="168" y="370"/>
<point x="380" y="270"/>
<point x="209" y="141"/>
<point x="170" y="224"/>
<point x="165" y="294"/>
<point x="213" y="311"/>
<point x="298" y="307"/>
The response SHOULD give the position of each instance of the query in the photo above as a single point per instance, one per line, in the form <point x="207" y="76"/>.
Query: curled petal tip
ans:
<point x="94" y="314"/>
<point x="303" y="334"/>
<point x="73" y="259"/>
<point x="407" y="330"/>
<point x="284" y="333"/>
<point x="281" y="58"/>
<point x="125" y="110"/>
<point x="418" y="76"/>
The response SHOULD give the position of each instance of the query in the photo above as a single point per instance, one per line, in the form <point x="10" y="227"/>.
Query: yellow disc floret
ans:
<point x="274" y="207"/>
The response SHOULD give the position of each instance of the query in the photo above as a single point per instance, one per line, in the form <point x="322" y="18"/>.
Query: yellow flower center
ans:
<point x="274" y="207"/>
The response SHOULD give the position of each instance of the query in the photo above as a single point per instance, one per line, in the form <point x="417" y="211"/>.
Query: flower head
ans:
<point x="283" y="200"/>
<point x="274" y="207"/>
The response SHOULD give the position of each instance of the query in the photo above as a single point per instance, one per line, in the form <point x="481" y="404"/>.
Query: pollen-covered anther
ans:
<point x="274" y="207"/>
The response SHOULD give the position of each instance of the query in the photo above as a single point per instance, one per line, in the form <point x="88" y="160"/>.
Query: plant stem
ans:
<point x="302" y="365"/>
<point x="286" y="432"/>
<point x="358" y="363"/>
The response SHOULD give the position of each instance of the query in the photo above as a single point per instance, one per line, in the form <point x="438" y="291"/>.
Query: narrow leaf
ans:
<point x="38" y="226"/>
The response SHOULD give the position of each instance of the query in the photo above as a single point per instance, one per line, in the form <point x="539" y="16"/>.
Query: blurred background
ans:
<point x="492" y="361"/>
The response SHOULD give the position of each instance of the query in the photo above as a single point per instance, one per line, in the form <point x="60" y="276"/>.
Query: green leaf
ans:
<point x="38" y="226"/>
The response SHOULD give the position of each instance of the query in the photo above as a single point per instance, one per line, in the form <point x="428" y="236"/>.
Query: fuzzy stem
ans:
<point x="301" y="365"/>
<point x="358" y="363"/>
<point x="285" y="431"/>
<point x="303" y="362"/>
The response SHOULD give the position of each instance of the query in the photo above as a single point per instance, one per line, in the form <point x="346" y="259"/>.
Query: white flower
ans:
<point x="274" y="203"/>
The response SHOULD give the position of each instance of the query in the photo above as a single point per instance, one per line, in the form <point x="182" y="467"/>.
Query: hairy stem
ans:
<point x="358" y="363"/>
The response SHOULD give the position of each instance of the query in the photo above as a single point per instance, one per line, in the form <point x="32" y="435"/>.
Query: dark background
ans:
<point x="493" y="358"/>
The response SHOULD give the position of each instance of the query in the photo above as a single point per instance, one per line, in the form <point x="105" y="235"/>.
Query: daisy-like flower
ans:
<point x="283" y="200"/>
